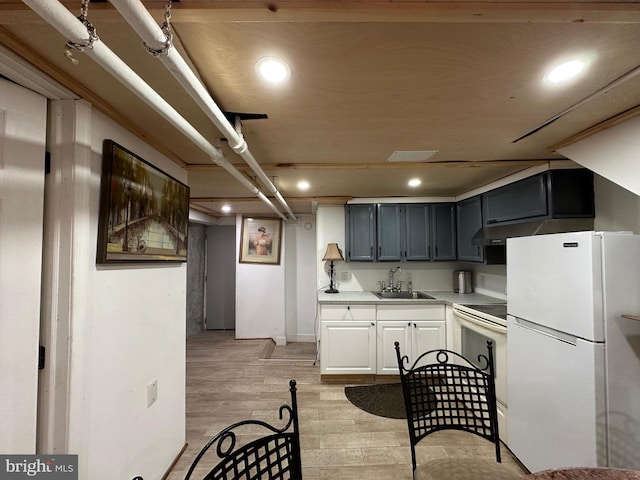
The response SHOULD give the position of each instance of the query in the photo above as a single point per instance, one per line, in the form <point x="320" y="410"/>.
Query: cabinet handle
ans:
<point x="380" y="250"/>
<point x="409" y="324"/>
<point x="372" y="251"/>
<point x="373" y="324"/>
<point x="492" y="221"/>
<point x="415" y="326"/>
<point x="348" y="307"/>
<point x="436" y="251"/>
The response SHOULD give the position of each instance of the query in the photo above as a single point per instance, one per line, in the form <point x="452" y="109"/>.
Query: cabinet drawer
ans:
<point x="348" y="312"/>
<point x="410" y="312"/>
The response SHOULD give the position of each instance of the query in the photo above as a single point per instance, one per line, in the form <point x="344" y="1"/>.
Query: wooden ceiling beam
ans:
<point x="255" y="199"/>
<point x="410" y="11"/>
<point x="374" y="166"/>
<point x="625" y="11"/>
<point x="611" y="122"/>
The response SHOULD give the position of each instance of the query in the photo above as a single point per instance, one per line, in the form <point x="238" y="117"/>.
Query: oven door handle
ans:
<point x="487" y="324"/>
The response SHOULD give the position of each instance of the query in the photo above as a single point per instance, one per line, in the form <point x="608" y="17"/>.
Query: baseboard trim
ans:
<point x="175" y="461"/>
<point x="302" y="338"/>
<point x="359" y="378"/>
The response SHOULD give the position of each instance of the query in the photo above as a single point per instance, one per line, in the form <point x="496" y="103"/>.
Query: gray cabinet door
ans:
<point x="417" y="232"/>
<point x="443" y="226"/>
<point x="390" y="220"/>
<point x="469" y="221"/>
<point x="361" y="233"/>
<point x="523" y="199"/>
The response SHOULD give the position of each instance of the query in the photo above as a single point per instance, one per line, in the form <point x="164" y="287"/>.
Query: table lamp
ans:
<point x="332" y="254"/>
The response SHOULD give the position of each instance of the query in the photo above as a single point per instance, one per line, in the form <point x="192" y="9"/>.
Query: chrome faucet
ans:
<point x="391" y="273"/>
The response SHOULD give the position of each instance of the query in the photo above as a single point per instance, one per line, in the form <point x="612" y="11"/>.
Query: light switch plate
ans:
<point x="344" y="276"/>
<point x="152" y="392"/>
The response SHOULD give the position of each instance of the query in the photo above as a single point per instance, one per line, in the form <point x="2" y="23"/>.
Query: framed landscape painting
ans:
<point x="260" y="240"/>
<point x="144" y="213"/>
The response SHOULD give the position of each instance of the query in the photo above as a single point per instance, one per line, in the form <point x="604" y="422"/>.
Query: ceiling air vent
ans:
<point x="411" y="155"/>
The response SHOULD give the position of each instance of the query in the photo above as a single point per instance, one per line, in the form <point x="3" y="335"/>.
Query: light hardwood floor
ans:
<point x="229" y="380"/>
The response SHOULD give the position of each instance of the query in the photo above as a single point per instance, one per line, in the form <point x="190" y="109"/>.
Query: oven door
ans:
<point x="470" y="335"/>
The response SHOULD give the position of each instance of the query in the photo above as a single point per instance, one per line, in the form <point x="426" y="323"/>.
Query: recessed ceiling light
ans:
<point x="565" y="71"/>
<point x="273" y="69"/>
<point x="415" y="182"/>
<point x="303" y="185"/>
<point x="226" y="208"/>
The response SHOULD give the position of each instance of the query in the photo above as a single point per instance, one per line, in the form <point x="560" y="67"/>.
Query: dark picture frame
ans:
<point x="261" y="240"/>
<point x="144" y="212"/>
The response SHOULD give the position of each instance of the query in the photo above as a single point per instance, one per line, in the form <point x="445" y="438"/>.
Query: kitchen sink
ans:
<point x="413" y="295"/>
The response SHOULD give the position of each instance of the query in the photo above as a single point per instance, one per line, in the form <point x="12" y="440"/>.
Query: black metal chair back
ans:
<point x="444" y="390"/>
<point x="275" y="456"/>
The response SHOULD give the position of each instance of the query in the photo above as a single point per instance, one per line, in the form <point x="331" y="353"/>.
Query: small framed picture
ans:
<point x="260" y="240"/>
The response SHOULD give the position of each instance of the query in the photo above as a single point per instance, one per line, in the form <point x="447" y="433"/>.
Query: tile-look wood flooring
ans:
<point x="230" y="380"/>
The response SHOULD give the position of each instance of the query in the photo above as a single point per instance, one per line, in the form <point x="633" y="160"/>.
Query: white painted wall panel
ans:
<point x="22" y="149"/>
<point x="260" y="294"/>
<point x="612" y="153"/>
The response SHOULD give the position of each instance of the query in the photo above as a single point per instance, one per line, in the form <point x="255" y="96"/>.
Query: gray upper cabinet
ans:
<point x="430" y="231"/>
<point x="469" y="221"/>
<point x="390" y="232"/>
<point x="361" y="233"/>
<point x="445" y="231"/>
<point x="443" y="222"/>
<point x="519" y="200"/>
<point x="389" y="229"/>
<point x="564" y="193"/>
<point x="571" y="193"/>
<point x="417" y="233"/>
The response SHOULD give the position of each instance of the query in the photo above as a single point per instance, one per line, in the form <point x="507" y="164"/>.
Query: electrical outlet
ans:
<point x="344" y="276"/>
<point x="152" y="392"/>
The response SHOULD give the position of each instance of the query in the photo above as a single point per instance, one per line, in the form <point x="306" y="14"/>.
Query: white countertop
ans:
<point x="445" y="296"/>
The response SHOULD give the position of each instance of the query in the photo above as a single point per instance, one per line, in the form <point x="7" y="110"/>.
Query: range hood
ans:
<point x="498" y="234"/>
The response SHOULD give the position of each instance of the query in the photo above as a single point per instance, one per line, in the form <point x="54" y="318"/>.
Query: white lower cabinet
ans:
<point x="347" y="339"/>
<point x="359" y="339"/>
<point x="389" y="332"/>
<point x="415" y="337"/>
<point x="347" y="347"/>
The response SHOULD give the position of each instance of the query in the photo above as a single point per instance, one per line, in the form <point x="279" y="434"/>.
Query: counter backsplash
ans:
<point x="354" y="277"/>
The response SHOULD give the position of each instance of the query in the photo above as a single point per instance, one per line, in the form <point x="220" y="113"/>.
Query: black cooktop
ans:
<point x="497" y="309"/>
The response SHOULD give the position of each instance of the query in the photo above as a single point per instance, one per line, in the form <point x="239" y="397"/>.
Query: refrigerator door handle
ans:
<point x="549" y="332"/>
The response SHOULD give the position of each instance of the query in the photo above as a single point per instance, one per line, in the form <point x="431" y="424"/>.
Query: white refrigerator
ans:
<point x="573" y="376"/>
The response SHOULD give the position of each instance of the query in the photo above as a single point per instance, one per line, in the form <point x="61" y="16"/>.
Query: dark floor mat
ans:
<point x="384" y="400"/>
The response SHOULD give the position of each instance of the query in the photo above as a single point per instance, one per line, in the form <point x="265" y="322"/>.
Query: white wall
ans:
<point x="616" y="208"/>
<point x="126" y="322"/>
<point x="22" y="142"/>
<point x="300" y="294"/>
<point x="612" y="153"/>
<point x="330" y="229"/>
<point x="260" y="296"/>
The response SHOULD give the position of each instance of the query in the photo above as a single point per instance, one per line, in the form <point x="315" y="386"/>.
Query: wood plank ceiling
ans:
<point x="368" y="78"/>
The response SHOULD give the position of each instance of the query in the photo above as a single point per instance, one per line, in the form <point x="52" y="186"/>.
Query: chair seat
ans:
<point x="452" y="468"/>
